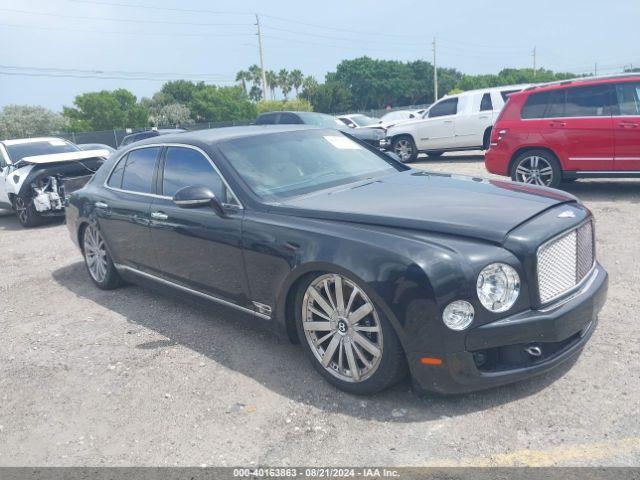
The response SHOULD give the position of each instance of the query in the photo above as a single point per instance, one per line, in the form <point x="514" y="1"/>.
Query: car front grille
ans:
<point x="564" y="261"/>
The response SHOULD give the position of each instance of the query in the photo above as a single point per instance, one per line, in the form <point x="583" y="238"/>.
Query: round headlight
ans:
<point x="458" y="315"/>
<point x="498" y="287"/>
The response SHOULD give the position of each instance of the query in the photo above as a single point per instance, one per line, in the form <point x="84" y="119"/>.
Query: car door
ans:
<point x="122" y="208"/>
<point x="578" y="126"/>
<point x="474" y="116"/>
<point x="626" y="126"/>
<point x="196" y="247"/>
<point x="437" y="130"/>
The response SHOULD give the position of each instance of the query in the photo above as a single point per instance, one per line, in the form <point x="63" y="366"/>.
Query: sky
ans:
<point x="45" y="45"/>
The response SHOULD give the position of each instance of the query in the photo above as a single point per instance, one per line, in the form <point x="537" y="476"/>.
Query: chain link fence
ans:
<point x="113" y="138"/>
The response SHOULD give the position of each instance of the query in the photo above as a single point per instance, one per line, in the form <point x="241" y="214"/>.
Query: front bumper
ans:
<point x="560" y="331"/>
<point x="385" y="144"/>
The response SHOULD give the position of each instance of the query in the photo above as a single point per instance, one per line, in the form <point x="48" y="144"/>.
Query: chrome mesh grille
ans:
<point x="564" y="262"/>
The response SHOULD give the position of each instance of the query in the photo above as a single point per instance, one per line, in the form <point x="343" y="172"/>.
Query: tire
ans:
<point x="26" y="212"/>
<point x="405" y="148"/>
<point x="486" y="140"/>
<point x="353" y="365"/>
<point x="98" y="261"/>
<point x="537" y="167"/>
<point x="435" y="154"/>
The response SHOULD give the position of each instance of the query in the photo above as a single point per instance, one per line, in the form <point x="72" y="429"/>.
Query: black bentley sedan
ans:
<point x="375" y="268"/>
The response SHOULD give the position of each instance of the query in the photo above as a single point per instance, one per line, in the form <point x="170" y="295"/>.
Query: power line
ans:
<point x="125" y="20"/>
<point x="51" y="75"/>
<point x="107" y="32"/>
<point x="108" y="72"/>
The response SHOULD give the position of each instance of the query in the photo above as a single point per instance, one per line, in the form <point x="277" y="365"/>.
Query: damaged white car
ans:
<point x="37" y="174"/>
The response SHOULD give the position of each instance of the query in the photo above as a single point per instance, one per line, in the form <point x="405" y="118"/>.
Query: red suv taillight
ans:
<point x="497" y="135"/>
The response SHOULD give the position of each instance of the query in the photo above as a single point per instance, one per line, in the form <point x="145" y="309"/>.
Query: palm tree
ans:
<point x="296" y="80"/>
<point x="285" y="82"/>
<point x="243" y="77"/>
<point x="309" y="86"/>
<point x="272" y="82"/>
<point x="256" y="77"/>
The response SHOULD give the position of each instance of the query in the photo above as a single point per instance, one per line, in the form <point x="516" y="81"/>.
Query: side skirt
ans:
<point x="206" y="296"/>
<point x="601" y="174"/>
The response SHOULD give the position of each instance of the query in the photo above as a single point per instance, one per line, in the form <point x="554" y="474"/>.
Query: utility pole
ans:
<point x="595" y="70"/>
<point x="435" y="72"/>
<point x="534" y="61"/>
<point x="264" y="76"/>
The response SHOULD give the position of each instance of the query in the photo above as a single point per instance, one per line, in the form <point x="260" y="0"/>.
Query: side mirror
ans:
<point x="394" y="156"/>
<point x="197" y="196"/>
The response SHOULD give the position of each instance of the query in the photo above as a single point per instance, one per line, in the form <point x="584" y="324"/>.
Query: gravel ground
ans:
<point x="131" y="377"/>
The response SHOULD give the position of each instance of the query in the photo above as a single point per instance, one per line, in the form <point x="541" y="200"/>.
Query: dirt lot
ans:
<point x="134" y="378"/>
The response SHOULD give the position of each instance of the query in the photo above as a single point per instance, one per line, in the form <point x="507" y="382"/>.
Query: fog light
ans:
<point x="458" y="315"/>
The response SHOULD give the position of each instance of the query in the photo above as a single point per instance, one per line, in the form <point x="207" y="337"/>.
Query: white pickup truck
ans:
<point x="453" y="123"/>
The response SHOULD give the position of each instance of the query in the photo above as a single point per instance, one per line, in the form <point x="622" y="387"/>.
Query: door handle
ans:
<point x="628" y="124"/>
<point x="558" y="124"/>
<point x="100" y="205"/>
<point x="159" y="216"/>
<point x="448" y="121"/>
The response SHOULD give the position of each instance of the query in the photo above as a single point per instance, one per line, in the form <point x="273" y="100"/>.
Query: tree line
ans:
<point x="358" y="84"/>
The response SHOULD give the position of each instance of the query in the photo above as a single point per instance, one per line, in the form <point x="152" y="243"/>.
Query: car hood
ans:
<point x="433" y="202"/>
<point x="63" y="157"/>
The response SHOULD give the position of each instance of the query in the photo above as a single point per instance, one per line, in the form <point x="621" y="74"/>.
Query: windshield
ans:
<point x="282" y="165"/>
<point x="18" y="151"/>
<point x="320" y="120"/>
<point x="364" y="121"/>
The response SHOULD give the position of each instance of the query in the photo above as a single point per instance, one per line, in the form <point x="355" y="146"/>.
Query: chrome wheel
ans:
<point x="403" y="149"/>
<point x="21" y="210"/>
<point x="95" y="254"/>
<point x="342" y="328"/>
<point x="535" y="169"/>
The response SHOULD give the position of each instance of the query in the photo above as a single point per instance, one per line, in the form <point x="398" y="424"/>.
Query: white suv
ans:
<point x="455" y="122"/>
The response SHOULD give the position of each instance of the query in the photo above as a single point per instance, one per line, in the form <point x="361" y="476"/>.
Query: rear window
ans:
<point x="505" y="94"/>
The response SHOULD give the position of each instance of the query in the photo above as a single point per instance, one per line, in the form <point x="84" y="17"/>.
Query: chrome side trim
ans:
<point x="584" y="286"/>
<point x="190" y="290"/>
<point x="161" y="145"/>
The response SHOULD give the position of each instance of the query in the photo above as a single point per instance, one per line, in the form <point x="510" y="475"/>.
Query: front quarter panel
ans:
<point x="411" y="275"/>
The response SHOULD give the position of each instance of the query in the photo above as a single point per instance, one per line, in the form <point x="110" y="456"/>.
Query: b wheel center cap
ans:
<point x="342" y="326"/>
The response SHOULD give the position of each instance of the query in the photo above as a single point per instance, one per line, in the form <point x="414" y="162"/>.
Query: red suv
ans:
<point x="573" y="129"/>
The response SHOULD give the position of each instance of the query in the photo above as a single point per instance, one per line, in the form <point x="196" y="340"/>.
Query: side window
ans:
<point x="485" y="103"/>
<point x="592" y="101"/>
<point x="138" y="170"/>
<point x="185" y="167"/>
<point x="444" y="107"/>
<point x="628" y="94"/>
<point x="115" y="180"/>
<point x="266" y="119"/>
<point x="556" y="105"/>
<point x="289" y="118"/>
<point x="535" y="105"/>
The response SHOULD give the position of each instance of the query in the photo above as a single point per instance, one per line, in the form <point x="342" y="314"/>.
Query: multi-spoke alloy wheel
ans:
<point x="342" y="327"/>
<point x="405" y="149"/>
<point x="535" y="169"/>
<point x="21" y="210"/>
<point x="95" y="254"/>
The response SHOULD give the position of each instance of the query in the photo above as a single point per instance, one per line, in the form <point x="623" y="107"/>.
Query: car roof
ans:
<point x="580" y="81"/>
<point x="19" y="141"/>
<point x="214" y="135"/>
<point x="501" y="88"/>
